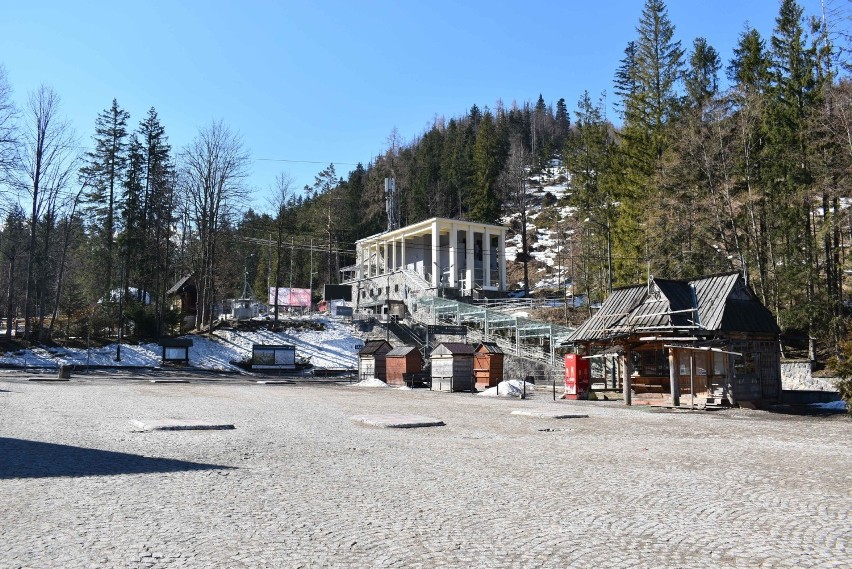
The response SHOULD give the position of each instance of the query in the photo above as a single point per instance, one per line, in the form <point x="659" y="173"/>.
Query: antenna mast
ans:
<point x="390" y="203"/>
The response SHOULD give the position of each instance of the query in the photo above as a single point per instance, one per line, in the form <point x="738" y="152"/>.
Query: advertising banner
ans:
<point x="290" y="297"/>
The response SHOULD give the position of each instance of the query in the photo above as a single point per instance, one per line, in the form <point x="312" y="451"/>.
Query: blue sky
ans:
<point x="310" y="83"/>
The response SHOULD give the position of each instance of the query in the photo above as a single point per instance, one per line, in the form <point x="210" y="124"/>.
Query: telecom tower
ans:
<point x="390" y="203"/>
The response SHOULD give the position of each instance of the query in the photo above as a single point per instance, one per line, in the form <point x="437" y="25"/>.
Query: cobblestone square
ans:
<point x="298" y="483"/>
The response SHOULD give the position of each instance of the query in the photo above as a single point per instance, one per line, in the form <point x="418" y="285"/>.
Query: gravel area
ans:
<point x="298" y="483"/>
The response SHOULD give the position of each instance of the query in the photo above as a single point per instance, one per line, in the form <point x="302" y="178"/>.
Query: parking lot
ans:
<point x="298" y="483"/>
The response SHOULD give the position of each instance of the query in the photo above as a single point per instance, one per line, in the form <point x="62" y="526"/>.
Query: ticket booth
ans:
<point x="577" y="379"/>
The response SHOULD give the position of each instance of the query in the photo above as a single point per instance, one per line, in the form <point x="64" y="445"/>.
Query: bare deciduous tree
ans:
<point x="283" y="192"/>
<point x="47" y="163"/>
<point x="514" y="182"/>
<point x="8" y="131"/>
<point x="214" y="165"/>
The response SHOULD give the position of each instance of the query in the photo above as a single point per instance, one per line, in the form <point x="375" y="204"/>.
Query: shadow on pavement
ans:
<point x="34" y="459"/>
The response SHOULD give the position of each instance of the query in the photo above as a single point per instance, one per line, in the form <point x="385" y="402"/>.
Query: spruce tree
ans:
<point x="102" y="173"/>
<point x="647" y="82"/>
<point x="487" y="164"/>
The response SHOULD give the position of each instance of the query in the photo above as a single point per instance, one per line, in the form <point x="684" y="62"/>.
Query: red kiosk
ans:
<point x="576" y="377"/>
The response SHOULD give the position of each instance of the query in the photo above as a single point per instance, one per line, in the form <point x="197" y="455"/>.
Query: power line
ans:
<point x="305" y="161"/>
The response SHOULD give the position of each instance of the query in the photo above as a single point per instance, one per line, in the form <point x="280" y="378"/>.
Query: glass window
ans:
<point x="653" y="363"/>
<point x="719" y="364"/>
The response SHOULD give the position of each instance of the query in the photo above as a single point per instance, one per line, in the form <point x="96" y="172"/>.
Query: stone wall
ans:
<point x="796" y="376"/>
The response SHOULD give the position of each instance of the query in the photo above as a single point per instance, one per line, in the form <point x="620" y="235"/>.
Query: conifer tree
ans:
<point x="487" y="164"/>
<point x="102" y="173"/>
<point x="647" y="82"/>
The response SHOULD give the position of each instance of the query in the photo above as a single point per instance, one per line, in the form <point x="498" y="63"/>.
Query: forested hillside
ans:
<point x="713" y="162"/>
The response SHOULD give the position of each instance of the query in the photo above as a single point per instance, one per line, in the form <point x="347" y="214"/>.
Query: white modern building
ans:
<point x="444" y="255"/>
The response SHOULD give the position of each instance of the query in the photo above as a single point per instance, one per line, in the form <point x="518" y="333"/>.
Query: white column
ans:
<point x="436" y="267"/>
<point x="386" y="257"/>
<point x="486" y="258"/>
<point x="402" y="251"/>
<point x="395" y="266"/>
<point x="359" y="258"/>
<point x="502" y="259"/>
<point x="453" y="254"/>
<point x="469" y="259"/>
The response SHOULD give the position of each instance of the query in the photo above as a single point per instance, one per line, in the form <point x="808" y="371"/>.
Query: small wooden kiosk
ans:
<point x="371" y="359"/>
<point x="488" y="364"/>
<point x="452" y="367"/>
<point x="401" y="362"/>
<point x="706" y="341"/>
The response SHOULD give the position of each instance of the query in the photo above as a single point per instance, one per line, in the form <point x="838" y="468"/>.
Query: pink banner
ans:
<point x="290" y="297"/>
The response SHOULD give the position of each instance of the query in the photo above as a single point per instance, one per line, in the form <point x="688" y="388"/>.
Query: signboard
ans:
<point x="343" y="311"/>
<point x="273" y="357"/>
<point x="172" y="354"/>
<point x="290" y="297"/>
<point x="446" y="330"/>
<point x="337" y="292"/>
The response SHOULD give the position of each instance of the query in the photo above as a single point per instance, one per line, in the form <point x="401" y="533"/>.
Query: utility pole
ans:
<point x="120" y="308"/>
<point x="269" y="267"/>
<point x="311" y="279"/>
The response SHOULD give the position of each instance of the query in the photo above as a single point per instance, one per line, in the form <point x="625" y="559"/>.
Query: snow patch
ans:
<point x="510" y="388"/>
<point x="370" y="382"/>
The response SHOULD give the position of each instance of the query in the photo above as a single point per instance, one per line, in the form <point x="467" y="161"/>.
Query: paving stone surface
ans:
<point x="299" y="484"/>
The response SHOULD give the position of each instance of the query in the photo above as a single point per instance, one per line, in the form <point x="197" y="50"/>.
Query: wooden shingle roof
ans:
<point x="717" y="303"/>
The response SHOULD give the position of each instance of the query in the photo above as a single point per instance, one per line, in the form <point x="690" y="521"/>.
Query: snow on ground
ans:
<point x="510" y="388"/>
<point x="370" y="382"/>
<point x="833" y="406"/>
<point x="332" y="348"/>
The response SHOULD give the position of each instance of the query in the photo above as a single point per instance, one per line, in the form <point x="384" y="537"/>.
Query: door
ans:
<point x="692" y="370"/>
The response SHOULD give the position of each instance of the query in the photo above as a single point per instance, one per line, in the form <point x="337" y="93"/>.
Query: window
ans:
<point x="719" y="364"/>
<point x="652" y="363"/>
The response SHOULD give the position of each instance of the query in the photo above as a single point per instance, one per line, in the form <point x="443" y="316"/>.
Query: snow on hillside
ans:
<point x="544" y="244"/>
<point x="332" y="348"/>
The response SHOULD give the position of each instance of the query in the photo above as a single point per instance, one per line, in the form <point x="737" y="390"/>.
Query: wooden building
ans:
<point x="488" y="364"/>
<point x="185" y="301"/>
<point x="452" y="367"/>
<point x="371" y="359"/>
<point x="402" y="362"/>
<point x="706" y="341"/>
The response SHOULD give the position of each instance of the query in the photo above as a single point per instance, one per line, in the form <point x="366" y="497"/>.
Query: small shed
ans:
<point x="452" y="367"/>
<point x="185" y="295"/>
<point x="488" y="364"/>
<point x="699" y="342"/>
<point x="401" y="362"/>
<point x="371" y="359"/>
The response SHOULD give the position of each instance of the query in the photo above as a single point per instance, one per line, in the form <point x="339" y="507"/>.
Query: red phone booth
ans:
<point x="576" y="377"/>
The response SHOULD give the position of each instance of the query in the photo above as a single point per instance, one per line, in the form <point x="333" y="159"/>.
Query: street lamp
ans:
<point x="608" y="250"/>
<point x="123" y="252"/>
